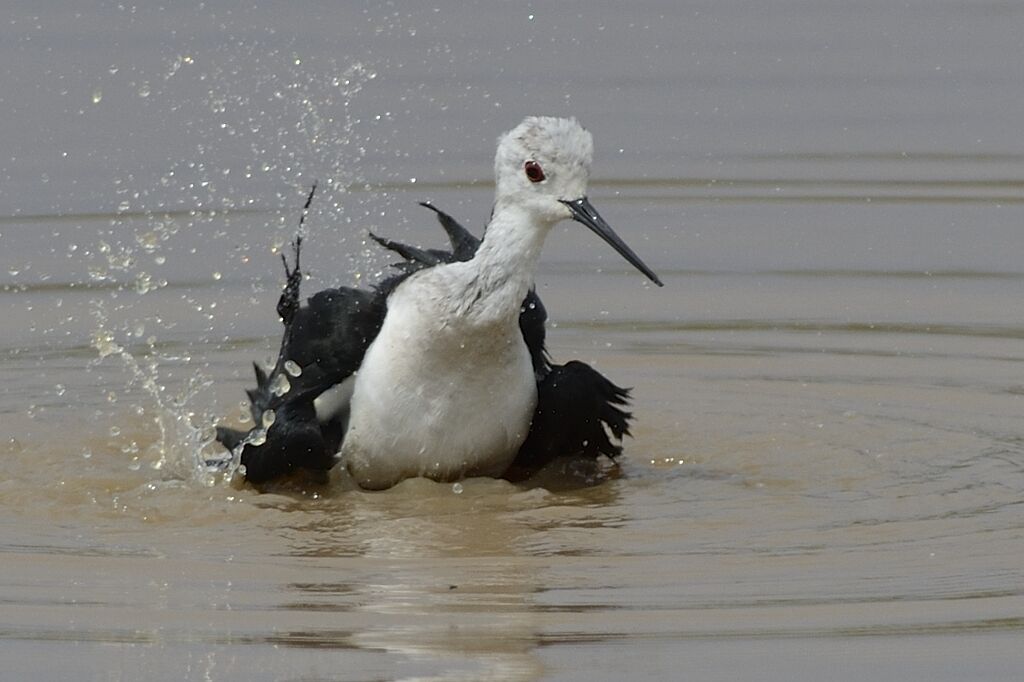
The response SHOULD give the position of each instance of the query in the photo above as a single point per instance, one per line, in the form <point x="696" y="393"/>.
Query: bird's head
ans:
<point x="542" y="166"/>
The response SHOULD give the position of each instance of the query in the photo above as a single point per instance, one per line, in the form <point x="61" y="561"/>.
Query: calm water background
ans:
<point x="827" y="473"/>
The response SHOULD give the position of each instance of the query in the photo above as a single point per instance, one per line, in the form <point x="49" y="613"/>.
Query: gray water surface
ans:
<point x="826" y="471"/>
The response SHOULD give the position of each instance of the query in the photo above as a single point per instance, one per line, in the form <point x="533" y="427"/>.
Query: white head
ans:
<point x="543" y="160"/>
<point x="542" y="165"/>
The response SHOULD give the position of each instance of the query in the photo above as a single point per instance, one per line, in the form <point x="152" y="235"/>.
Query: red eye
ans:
<point x="533" y="171"/>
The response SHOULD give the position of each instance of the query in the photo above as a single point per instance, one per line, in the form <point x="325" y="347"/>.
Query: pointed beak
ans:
<point x="583" y="212"/>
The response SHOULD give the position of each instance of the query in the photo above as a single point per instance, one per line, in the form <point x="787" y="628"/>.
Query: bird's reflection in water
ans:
<point x="446" y="576"/>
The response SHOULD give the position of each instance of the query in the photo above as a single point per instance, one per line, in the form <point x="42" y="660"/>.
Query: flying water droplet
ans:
<point x="207" y="434"/>
<point x="103" y="342"/>
<point x="280" y="385"/>
<point x="144" y="284"/>
<point x="457" y="488"/>
<point x="292" y="368"/>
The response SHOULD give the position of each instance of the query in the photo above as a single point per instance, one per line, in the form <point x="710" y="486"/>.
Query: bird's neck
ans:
<point x="506" y="262"/>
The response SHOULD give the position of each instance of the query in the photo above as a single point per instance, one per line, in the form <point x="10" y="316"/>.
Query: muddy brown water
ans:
<point x="826" y="474"/>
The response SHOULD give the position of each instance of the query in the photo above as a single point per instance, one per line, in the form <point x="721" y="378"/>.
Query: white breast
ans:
<point x="440" y="393"/>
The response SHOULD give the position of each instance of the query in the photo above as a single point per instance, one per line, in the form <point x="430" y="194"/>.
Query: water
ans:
<point x="827" y="464"/>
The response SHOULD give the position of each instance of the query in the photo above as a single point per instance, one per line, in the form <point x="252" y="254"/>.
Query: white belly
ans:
<point x="440" y="400"/>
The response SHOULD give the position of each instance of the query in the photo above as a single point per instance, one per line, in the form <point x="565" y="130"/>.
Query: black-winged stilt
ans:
<point x="440" y="371"/>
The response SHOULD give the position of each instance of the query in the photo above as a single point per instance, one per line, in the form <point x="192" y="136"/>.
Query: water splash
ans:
<point x="178" y="451"/>
<point x="295" y="121"/>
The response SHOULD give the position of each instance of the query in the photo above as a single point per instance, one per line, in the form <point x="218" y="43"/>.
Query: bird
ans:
<point x="441" y="371"/>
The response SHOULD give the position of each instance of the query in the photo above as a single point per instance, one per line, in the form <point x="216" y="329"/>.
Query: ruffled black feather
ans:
<point x="324" y="343"/>
<point x="577" y="409"/>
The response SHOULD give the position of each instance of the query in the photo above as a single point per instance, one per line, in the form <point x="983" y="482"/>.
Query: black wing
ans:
<point x="577" y="408"/>
<point x="323" y="344"/>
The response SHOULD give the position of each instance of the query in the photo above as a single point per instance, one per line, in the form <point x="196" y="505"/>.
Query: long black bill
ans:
<point x="584" y="212"/>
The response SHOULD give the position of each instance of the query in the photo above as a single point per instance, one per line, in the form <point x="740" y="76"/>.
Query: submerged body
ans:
<point x="441" y="372"/>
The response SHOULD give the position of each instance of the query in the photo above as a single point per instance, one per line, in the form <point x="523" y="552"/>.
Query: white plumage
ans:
<point x="447" y="389"/>
<point x="441" y="372"/>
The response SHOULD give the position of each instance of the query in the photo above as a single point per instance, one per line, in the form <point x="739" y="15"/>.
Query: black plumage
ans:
<point x="323" y="345"/>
